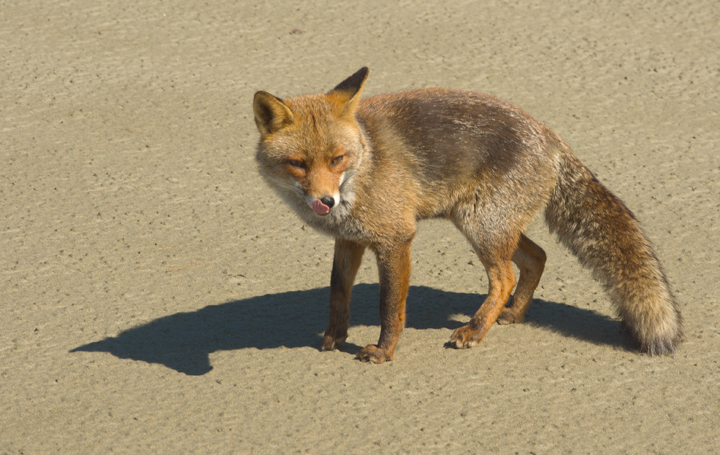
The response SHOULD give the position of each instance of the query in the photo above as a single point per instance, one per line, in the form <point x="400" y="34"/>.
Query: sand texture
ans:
<point x="156" y="296"/>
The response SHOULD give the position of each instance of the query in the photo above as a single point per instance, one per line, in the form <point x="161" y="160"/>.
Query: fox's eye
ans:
<point x="337" y="160"/>
<point x="296" y="163"/>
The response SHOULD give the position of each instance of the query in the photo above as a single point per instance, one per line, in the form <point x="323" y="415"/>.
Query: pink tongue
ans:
<point x="320" y="208"/>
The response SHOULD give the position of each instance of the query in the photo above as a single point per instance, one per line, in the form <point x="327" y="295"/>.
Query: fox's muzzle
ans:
<point x="323" y="206"/>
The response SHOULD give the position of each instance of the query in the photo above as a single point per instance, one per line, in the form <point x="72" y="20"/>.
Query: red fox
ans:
<point x="365" y="172"/>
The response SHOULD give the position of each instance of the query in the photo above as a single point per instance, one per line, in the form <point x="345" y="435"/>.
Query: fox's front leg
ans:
<point x="394" y="269"/>
<point x="346" y="262"/>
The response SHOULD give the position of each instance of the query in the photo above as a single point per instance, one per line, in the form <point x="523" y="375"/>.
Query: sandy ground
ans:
<point x="157" y="297"/>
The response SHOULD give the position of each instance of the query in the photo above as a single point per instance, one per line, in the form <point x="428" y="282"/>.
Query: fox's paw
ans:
<point x="334" y="338"/>
<point x="329" y="343"/>
<point x="508" y="316"/>
<point x="465" y="337"/>
<point x="374" y="354"/>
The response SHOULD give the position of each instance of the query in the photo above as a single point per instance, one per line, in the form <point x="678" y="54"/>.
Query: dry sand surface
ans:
<point x="158" y="297"/>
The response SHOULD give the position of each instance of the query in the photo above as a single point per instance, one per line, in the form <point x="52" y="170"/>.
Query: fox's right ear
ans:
<point x="271" y="114"/>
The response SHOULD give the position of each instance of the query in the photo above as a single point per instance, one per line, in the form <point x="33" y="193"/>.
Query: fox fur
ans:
<point x="366" y="171"/>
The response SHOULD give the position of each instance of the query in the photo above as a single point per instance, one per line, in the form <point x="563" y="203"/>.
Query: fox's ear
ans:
<point x="271" y="114"/>
<point x="347" y="93"/>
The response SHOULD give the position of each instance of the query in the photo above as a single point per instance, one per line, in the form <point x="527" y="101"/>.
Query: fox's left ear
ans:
<point x="347" y="93"/>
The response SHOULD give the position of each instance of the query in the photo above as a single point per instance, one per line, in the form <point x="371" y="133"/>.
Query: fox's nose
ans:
<point x="329" y="201"/>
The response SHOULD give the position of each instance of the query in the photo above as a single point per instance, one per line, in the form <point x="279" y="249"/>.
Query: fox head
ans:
<point x="310" y="146"/>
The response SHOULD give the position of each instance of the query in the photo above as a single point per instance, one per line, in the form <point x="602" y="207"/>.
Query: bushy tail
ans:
<point x="597" y="227"/>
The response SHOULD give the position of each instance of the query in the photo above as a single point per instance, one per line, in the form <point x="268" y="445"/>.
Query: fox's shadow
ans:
<point x="184" y="341"/>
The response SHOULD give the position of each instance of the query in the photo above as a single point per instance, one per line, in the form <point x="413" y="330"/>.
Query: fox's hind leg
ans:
<point x="494" y="239"/>
<point x="502" y="281"/>
<point x="530" y="259"/>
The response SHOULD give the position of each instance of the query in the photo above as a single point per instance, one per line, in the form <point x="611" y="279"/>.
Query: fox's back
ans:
<point x="461" y="137"/>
